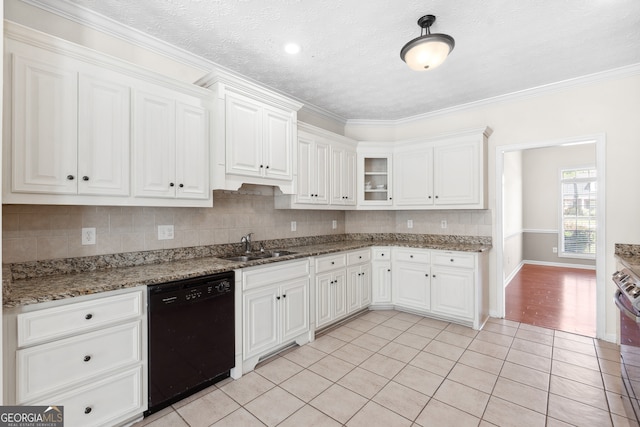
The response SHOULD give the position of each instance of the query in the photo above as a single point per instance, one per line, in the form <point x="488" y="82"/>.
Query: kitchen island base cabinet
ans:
<point x="275" y="310"/>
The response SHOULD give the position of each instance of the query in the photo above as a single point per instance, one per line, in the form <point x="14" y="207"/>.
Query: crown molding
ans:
<point x="616" y="73"/>
<point x="91" y="19"/>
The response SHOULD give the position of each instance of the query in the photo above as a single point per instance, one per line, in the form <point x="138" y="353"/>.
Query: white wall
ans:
<point x="512" y="188"/>
<point x="611" y="106"/>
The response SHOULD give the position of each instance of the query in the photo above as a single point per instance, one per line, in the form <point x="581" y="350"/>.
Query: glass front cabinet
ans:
<point x="374" y="177"/>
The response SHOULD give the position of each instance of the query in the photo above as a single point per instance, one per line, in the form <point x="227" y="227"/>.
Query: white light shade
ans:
<point x="427" y="52"/>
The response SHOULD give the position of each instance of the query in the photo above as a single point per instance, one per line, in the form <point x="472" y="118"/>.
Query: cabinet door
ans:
<point x="339" y="294"/>
<point x="452" y="292"/>
<point x="154" y="145"/>
<point x="243" y="136"/>
<point x="353" y="288"/>
<point x="324" y="286"/>
<point x="375" y="179"/>
<point x="337" y="196"/>
<point x="260" y="328"/>
<point x="457" y="179"/>
<point x="277" y="144"/>
<point x="45" y="128"/>
<point x="411" y="285"/>
<point x="321" y="175"/>
<point x="413" y="178"/>
<point x="294" y="304"/>
<point x="381" y="282"/>
<point x="192" y="152"/>
<point x="306" y="179"/>
<point x="365" y="286"/>
<point x="349" y="168"/>
<point x="103" y="136"/>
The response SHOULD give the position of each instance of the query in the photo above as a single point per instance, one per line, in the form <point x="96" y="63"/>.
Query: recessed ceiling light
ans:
<point x="292" y="48"/>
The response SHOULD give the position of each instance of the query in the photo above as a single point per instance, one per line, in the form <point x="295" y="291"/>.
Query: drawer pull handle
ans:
<point x="87" y="410"/>
<point x="88" y="316"/>
<point x="70" y="177"/>
<point x="87" y="358"/>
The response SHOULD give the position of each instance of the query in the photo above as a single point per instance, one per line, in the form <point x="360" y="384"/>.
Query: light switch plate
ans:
<point x="165" y="232"/>
<point x="409" y="223"/>
<point x="334" y="224"/>
<point x="89" y="236"/>
<point x="443" y="223"/>
<point x="294" y="226"/>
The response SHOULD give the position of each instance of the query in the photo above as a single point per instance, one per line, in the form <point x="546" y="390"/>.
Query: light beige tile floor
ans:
<point x="388" y="368"/>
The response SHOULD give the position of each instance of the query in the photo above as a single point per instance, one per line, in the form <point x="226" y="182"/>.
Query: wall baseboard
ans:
<point x="513" y="274"/>
<point x="559" y="264"/>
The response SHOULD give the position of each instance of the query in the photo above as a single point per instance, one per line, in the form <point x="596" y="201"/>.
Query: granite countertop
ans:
<point x="34" y="290"/>
<point x="629" y="256"/>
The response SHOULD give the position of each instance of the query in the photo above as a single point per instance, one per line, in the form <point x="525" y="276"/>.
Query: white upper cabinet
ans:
<point x="170" y="147"/>
<point x="446" y="172"/>
<point x="76" y="117"/>
<point x="259" y="139"/>
<point x="343" y="182"/>
<point x="45" y="126"/>
<point x="375" y="178"/>
<point x="312" y="184"/>
<point x="324" y="171"/>
<point x="258" y="142"/>
<point x="103" y="136"/>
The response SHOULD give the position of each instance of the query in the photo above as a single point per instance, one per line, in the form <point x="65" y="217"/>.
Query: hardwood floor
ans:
<point x="553" y="297"/>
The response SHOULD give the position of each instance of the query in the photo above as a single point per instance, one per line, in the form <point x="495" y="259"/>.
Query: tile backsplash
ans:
<point x="40" y="232"/>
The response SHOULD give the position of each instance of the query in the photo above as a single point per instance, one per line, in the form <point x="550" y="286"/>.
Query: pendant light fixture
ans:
<point x="429" y="50"/>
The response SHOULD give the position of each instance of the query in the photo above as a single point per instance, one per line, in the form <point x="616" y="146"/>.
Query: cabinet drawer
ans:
<point x="358" y="257"/>
<point x="43" y="325"/>
<point x="381" y="254"/>
<point x="454" y="259"/>
<point x="102" y="403"/>
<point x="44" y="368"/>
<point x="330" y="262"/>
<point x="412" y="255"/>
<point x="273" y="274"/>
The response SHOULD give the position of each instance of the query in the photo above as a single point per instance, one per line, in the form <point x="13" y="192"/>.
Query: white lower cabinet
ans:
<point x="331" y="288"/>
<point x="411" y="278"/>
<point x="448" y="285"/>
<point x="381" y="277"/>
<point x="358" y="280"/>
<point x="89" y="356"/>
<point x="275" y="309"/>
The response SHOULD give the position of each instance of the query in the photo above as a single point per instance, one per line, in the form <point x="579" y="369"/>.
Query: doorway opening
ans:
<point x="550" y="258"/>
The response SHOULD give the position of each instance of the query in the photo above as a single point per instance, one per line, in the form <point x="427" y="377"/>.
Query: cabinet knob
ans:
<point x="381" y="254"/>
<point x="87" y="410"/>
<point x="181" y="185"/>
<point x="434" y="275"/>
<point x="267" y="167"/>
<point x="85" y="178"/>
<point x="410" y="256"/>
<point x="332" y="262"/>
<point x="277" y="297"/>
<point x="436" y="197"/>
<point x="390" y="198"/>
<point x="171" y="184"/>
<point x="429" y="196"/>
<point x="88" y="316"/>
<point x="284" y="295"/>
<point x="70" y="177"/>
<point x="87" y="358"/>
<point x="451" y="259"/>
<point x="388" y="269"/>
<point x="261" y="166"/>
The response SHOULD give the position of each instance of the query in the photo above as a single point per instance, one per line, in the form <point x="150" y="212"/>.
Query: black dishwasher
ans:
<point x="191" y="336"/>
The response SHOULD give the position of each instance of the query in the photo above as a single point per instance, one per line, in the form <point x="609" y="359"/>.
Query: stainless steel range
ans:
<point x="627" y="298"/>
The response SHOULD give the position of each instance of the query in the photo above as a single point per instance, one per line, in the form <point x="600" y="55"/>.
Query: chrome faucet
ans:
<point x="247" y="242"/>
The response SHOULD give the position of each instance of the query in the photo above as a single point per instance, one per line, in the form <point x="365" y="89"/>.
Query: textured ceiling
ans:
<point x="350" y="64"/>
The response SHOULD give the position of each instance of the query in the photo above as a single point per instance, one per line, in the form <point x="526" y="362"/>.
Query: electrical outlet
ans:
<point x="165" y="232"/>
<point x="89" y="236"/>
<point x="409" y="223"/>
<point x="294" y="226"/>
<point x="443" y="223"/>
<point x="334" y="224"/>
<point x="554" y="250"/>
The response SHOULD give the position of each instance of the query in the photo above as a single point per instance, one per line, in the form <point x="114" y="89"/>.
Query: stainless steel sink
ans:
<point x="258" y="255"/>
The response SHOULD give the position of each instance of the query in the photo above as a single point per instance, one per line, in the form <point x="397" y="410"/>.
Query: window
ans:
<point x="578" y="210"/>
